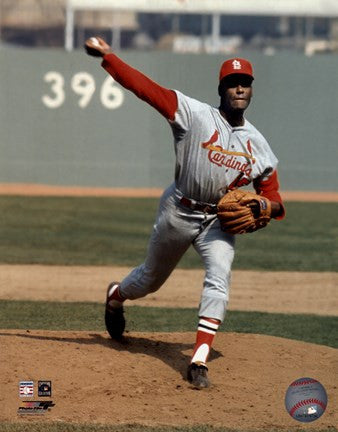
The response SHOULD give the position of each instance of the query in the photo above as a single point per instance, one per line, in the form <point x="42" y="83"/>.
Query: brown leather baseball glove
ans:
<point x="241" y="211"/>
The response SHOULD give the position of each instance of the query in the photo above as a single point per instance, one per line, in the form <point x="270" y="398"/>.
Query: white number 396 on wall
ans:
<point x="83" y="84"/>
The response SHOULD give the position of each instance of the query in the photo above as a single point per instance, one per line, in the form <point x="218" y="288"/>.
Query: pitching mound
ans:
<point x="96" y="380"/>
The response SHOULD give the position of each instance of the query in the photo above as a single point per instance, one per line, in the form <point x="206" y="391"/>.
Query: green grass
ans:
<point x="74" y="230"/>
<point x="67" y="427"/>
<point x="306" y="240"/>
<point x="89" y="317"/>
<point x="115" y="231"/>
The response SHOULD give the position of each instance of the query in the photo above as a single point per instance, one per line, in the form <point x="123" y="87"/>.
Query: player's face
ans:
<point x="235" y="92"/>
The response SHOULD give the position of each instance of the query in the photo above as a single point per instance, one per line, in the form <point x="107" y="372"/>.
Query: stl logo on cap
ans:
<point x="236" y="64"/>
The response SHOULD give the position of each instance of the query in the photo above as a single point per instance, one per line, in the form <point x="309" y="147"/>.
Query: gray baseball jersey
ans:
<point x="212" y="156"/>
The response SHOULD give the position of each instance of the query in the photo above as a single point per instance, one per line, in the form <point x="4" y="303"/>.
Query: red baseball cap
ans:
<point x="236" y="66"/>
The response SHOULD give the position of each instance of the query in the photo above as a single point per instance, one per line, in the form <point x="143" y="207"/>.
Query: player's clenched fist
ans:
<point x="97" y="47"/>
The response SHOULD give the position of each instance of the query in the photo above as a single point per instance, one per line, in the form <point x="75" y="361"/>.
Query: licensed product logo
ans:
<point x="306" y="400"/>
<point x="35" y="407"/>
<point x="26" y="388"/>
<point x="44" y="388"/>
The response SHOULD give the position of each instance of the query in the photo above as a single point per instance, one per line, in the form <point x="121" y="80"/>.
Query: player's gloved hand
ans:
<point x="97" y="47"/>
<point x="242" y="212"/>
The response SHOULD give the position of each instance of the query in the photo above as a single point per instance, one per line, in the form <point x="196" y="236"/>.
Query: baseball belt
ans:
<point x="198" y="205"/>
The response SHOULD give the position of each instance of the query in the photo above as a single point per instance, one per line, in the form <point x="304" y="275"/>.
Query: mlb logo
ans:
<point x="26" y="388"/>
<point x="236" y="64"/>
<point x="312" y="410"/>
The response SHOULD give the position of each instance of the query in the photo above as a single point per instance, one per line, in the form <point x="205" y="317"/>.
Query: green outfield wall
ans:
<point x="63" y="122"/>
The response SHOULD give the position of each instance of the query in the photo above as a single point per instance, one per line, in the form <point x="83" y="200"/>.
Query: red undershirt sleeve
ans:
<point x="269" y="189"/>
<point x="162" y="99"/>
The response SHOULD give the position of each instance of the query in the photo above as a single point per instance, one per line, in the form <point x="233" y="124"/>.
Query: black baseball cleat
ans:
<point x="114" y="318"/>
<point x="197" y="375"/>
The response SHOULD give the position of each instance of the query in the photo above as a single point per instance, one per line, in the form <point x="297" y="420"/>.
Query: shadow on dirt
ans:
<point x="171" y="353"/>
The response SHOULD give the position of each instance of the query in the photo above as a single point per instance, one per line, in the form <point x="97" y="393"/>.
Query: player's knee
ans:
<point x="152" y="282"/>
<point x="217" y="282"/>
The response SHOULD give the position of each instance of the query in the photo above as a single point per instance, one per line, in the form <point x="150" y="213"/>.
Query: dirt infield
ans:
<point x="50" y="190"/>
<point x="96" y="380"/>
<point x="142" y="380"/>
<point x="283" y="292"/>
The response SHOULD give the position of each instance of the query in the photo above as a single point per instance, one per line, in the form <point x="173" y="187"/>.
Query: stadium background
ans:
<point x="64" y="124"/>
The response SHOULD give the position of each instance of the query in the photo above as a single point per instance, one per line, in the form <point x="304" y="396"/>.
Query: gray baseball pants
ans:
<point x="175" y="229"/>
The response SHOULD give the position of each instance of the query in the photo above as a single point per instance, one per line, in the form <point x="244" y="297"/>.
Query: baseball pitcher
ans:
<point x="217" y="152"/>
